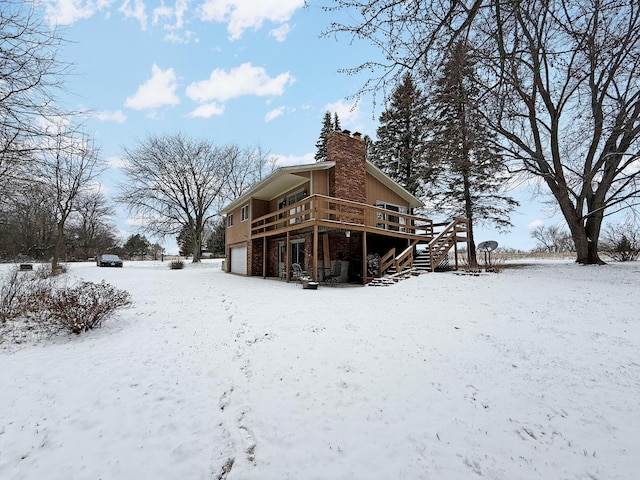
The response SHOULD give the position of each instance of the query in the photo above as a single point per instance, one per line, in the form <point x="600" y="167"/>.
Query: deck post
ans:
<point x="286" y="259"/>
<point x="455" y="251"/>
<point x="264" y="257"/>
<point x="315" y="252"/>
<point x="364" y="257"/>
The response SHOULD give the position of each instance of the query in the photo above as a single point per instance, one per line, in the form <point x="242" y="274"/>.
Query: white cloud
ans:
<point x="348" y="114"/>
<point x="280" y="33"/>
<point x="273" y="114"/>
<point x="116" y="162"/>
<point x="135" y="9"/>
<point x="207" y="110"/>
<point x="164" y="15"/>
<point x="156" y="92"/>
<point x="67" y="12"/>
<point x="240" y="15"/>
<point x="240" y="81"/>
<point x="287" y="160"/>
<point x="107" y="116"/>
<point x="137" y="221"/>
<point x="535" y="224"/>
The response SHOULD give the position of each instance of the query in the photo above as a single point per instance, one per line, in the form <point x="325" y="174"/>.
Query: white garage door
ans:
<point x="239" y="260"/>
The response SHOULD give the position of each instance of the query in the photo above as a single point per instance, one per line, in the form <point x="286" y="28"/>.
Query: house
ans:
<point x="342" y="216"/>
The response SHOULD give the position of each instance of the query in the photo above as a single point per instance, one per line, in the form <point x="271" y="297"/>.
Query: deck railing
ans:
<point x="333" y="212"/>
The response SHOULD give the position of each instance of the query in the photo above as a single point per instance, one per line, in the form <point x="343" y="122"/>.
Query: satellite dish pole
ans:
<point x="487" y="247"/>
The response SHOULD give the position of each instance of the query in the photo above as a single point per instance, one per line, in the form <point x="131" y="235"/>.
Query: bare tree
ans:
<point x="67" y="166"/>
<point x="30" y="75"/>
<point x="174" y="182"/>
<point x="560" y="78"/>
<point x="91" y="225"/>
<point x="245" y="167"/>
<point x="28" y="222"/>
<point x="553" y="239"/>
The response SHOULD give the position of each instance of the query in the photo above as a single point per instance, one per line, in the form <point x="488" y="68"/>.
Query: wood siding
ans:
<point x="239" y="231"/>
<point x="377" y="191"/>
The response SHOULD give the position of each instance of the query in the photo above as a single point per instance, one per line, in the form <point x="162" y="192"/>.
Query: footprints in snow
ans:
<point x="242" y="440"/>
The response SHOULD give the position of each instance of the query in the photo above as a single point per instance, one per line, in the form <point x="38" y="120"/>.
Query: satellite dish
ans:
<point x="488" y="246"/>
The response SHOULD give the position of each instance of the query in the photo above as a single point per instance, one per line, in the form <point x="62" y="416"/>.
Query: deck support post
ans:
<point x="286" y="259"/>
<point x="315" y="253"/>
<point x="364" y="257"/>
<point x="455" y="251"/>
<point x="264" y="257"/>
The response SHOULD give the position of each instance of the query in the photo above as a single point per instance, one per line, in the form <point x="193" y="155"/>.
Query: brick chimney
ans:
<point x="350" y="176"/>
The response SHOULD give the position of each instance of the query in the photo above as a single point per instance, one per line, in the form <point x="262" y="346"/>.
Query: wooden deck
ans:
<point x="319" y="213"/>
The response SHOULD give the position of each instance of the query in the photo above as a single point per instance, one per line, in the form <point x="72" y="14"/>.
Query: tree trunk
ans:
<point x="197" y="246"/>
<point x="585" y="234"/>
<point x="468" y="208"/>
<point x="59" y="246"/>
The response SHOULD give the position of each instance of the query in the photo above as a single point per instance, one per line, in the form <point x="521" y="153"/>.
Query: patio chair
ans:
<point x="332" y="277"/>
<point x="297" y="273"/>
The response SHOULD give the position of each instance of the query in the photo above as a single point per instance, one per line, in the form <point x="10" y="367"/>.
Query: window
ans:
<point x="244" y="213"/>
<point x="295" y="198"/>
<point x="230" y="220"/>
<point x="391" y="222"/>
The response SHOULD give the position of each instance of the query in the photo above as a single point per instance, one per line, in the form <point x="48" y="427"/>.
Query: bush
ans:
<point x="24" y="295"/>
<point x="85" y="306"/>
<point x="45" y="305"/>
<point x="622" y="242"/>
<point x="176" y="265"/>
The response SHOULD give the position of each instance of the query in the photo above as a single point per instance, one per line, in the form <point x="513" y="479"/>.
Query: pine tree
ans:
<point x="185" y="241"/>
<point x="470" y="169"/>
<point x="321" y="144"/>
<point x="336" y="122"/>
<point x="399" y="150"/>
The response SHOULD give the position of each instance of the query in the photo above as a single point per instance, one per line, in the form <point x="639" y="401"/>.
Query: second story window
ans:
<point x="244" y="214"/>
<point x="230" y="220"/>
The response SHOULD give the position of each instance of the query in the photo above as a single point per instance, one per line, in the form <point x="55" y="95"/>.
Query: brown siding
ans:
<point x="240" y="230"/>
<point x="378" y="191"/>
<point x="320" y="182"/>
<point x="260" y="208"/>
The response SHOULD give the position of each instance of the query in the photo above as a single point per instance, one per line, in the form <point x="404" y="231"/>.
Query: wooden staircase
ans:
<point x="435" y="257"/>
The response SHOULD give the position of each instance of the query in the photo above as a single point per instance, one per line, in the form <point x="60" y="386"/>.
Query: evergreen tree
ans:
<point x="215" y="239"/>
<point x="185" y="241"/>
<point x="470" y="169"/>
<point x="402" y="137"/>
<point x="136" y="245"/>
<point x="328" y="126"/>
<point x="336" y="122"/>
<point x="321" y="144"/>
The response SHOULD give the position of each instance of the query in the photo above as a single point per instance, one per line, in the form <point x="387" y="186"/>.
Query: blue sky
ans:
<point x="250" y="72"/>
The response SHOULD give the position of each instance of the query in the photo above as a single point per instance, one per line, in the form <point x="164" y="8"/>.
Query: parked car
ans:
<point x="109" y="260"/>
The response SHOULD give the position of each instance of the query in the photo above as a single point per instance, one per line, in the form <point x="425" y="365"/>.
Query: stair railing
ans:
<point x="405" y="259"/>
<point x="387" y="260"/>
<point x="439" y="247"/>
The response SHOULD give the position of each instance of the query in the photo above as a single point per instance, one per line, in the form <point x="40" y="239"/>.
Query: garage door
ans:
<point x="239" y="260"/>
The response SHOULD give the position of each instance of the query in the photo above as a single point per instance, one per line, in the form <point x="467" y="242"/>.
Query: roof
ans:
<point x="288" y="178"/>
<point x="282" y="180"/>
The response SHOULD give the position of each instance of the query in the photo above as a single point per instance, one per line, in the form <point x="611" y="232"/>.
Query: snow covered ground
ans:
<point x="532" y="373"/>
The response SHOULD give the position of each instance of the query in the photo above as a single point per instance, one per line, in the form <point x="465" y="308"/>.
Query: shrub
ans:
<point x="43" y="304"/>
<point x="85" y="306"/>
<point x="23" y="294"/>
<point x="176" y="265"/>
<point x="622" y="242"/>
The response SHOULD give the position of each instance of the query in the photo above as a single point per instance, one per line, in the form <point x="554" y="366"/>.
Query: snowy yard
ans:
<point x="533" y="373"/>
